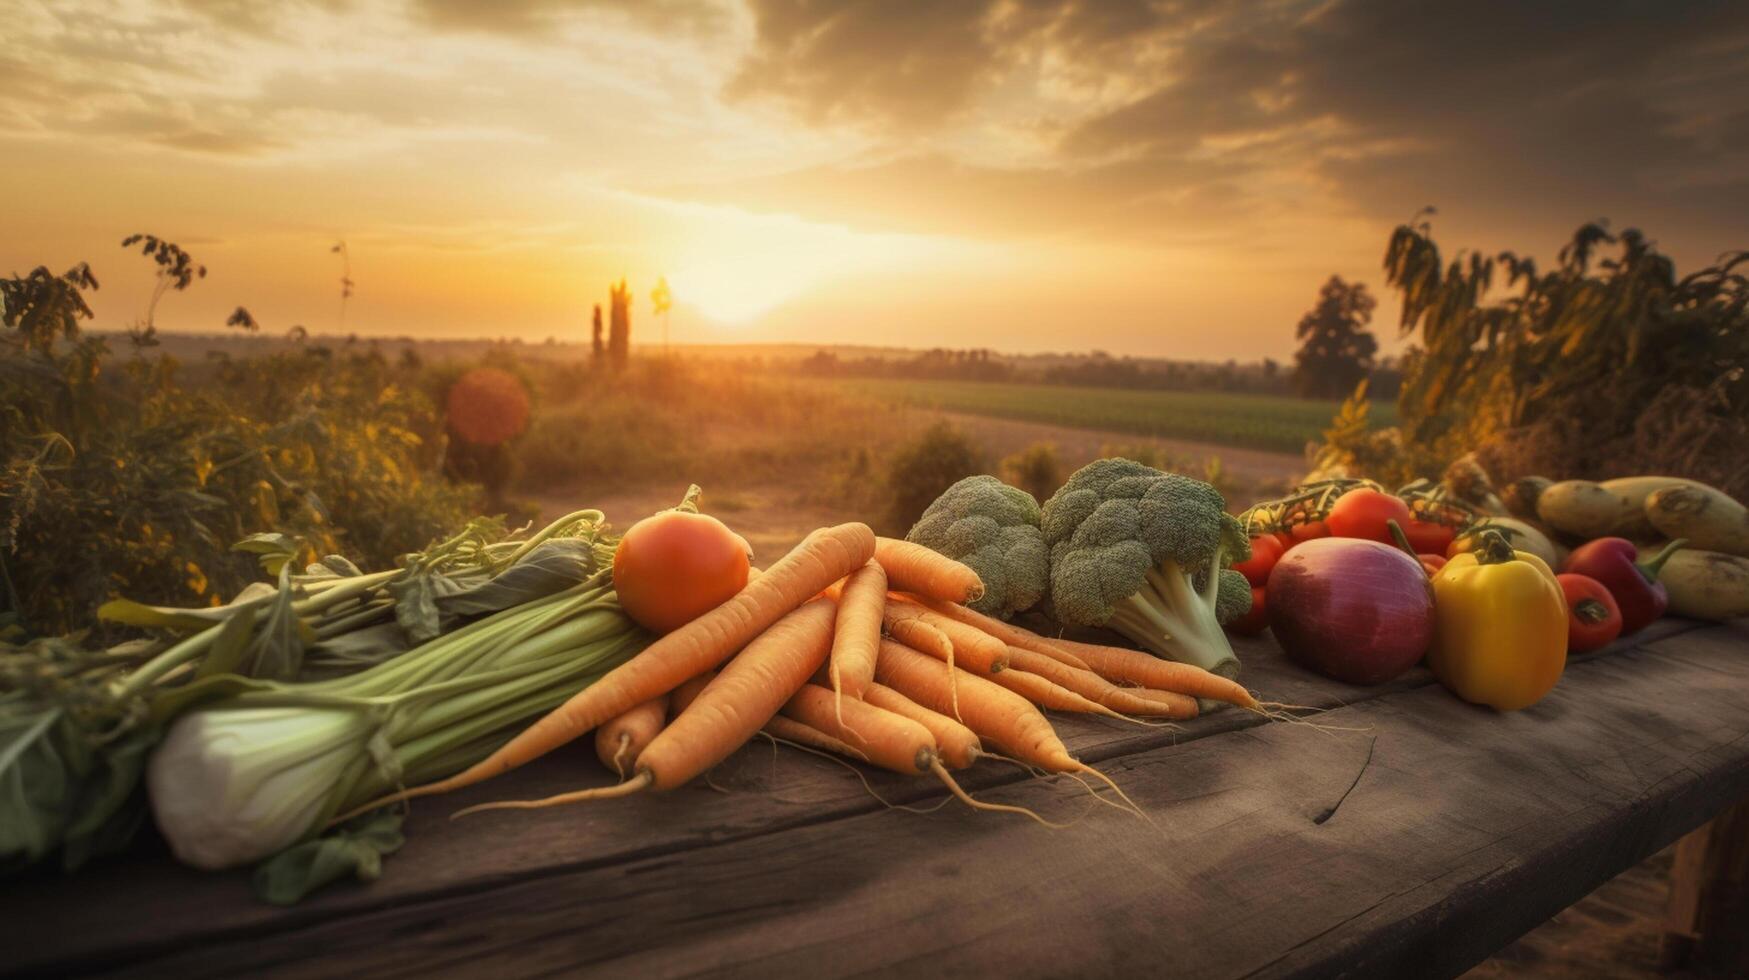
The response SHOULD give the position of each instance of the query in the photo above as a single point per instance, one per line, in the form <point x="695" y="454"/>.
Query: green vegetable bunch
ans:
<point x="1147" y="554"/>
<point x="993" y="529"/>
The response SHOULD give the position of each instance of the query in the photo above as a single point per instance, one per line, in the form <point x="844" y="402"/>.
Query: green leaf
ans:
<point x="272" y="548"/>
<point x="230" y="645"/>
<point x="130" y="613"/>
<point x="552" y="566"/>
<point x="356" y="848"/>
<point x="278" y="650"/>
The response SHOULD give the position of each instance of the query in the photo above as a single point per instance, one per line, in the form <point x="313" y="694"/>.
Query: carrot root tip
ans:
<point x="638" y="783"/>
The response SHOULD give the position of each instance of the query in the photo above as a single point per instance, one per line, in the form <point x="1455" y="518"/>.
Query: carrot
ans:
<point x="993" y="712"/>
<point x="1008" y="633"/>
<point x="914" y="568"/>
<point x="777" y="727"/>
<point x="737" y="703"/>
<point x="1047" y="694"/>
<point x="790" y="730"/>
<point x="687" y="693"/>
<point x="957" y="745"/>
<point x="618" y="742"/>
<point x="918" y="635"/>
<point x="1135" y="667"/>
<point x="1097" y="689"/>
<point x="973" y="650"/>
<point x="858" y="633"/>
<point x="885" y="739"/>
<point x="823" y="557"/>
<point x="1178" y="705"/>
<point x="888" y="740"/>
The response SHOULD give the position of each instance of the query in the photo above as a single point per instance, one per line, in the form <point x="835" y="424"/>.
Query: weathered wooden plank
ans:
<point x="1464" y="829"/>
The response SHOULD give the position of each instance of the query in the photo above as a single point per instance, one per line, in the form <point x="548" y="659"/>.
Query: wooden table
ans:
<point x="1416" y="843"/>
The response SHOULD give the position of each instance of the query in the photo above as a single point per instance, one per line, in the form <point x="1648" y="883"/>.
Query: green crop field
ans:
<point x="1254" y="421"/>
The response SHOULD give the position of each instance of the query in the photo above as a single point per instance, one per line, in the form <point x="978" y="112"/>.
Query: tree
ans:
<point x="619" y="331"/>
<point x="1336" y="350"/>
<point x="597" y="348"/>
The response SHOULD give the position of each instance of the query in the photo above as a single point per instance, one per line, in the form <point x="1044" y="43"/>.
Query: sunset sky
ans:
<point x="1164" y="179"/>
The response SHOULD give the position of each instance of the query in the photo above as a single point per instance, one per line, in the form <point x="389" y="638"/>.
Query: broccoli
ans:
<point x="993" y="529"/>
<point x="1146" y="553"/>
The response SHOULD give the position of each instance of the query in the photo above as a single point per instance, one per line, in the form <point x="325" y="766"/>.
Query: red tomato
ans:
<point x="1253" y="622"/>
<point x="1284" y="539"/>
<point x="673" y="567"/>
<point x="1428" y="537"/>
<point x="1308" y="531"/>
<point x="1433" y="563"/>
<point x="1593" y="617"/>
<point x="1265" y="552"/>
<point x="1362" y="514"/>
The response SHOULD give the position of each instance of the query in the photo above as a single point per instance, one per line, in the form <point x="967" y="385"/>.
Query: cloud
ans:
<point x="1534" y="113"/>
<point x="538" y="17"/>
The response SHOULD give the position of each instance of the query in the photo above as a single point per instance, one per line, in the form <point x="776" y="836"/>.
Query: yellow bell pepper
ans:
<point x="1500" y="626"/>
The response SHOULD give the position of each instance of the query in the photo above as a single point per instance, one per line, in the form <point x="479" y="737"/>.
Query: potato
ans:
<point x="1632" y="491"/>
<point x="1708" y="518"/>
<point x="1580" y="508"/>
<point x="1707" y="584"/>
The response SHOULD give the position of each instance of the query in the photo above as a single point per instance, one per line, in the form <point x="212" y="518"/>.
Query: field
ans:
<point x="1280" y="424"/>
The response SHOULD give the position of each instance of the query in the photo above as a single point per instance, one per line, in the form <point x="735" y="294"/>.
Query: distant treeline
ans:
<point x="1095" y="370"/>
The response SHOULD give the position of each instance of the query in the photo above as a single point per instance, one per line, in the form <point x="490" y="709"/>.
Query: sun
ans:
<point x="735" y="266"/>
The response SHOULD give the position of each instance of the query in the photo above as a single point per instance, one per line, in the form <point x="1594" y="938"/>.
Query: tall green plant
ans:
<point x="1582" y="352"/>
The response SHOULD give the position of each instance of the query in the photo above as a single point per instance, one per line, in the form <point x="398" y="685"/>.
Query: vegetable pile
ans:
<point x="287" y="728"/>
<point x="1497" y="623"/>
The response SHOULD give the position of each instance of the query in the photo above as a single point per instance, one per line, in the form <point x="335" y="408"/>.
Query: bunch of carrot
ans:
<point x="855" y="645"/>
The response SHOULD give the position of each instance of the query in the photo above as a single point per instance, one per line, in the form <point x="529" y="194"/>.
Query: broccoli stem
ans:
<point x="1172" y="620"/>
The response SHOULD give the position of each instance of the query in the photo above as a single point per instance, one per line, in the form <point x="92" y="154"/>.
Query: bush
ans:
<point x="1036" y="469"/>
<point x="920" y="470"/>
<point x="117" y="477"/>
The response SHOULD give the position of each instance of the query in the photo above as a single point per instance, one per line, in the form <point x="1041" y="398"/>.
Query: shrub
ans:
<point x="921" y="469"/>
<point x="118" y="477"/>
<point x="1036" y="469"/>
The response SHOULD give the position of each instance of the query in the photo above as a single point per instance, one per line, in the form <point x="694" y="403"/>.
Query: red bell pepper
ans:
<point x="1593" y="618"/>
<point x="1635" y="586"/>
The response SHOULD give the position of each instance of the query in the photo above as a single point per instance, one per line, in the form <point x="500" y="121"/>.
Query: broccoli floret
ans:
<point x="1146" y="553"/>
<point x="993" y="529"/>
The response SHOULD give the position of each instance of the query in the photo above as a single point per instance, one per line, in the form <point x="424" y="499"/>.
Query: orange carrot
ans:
<point x="823" y="557"/>
<point x="858" y="634"/>
<point x="1135" y="667"/>
<point x="916" y="634"/>
<point x="958" y="745"/>
<point x="994" y="712"/>
<point x="618" y="742"/>
<point x="1096" y="688"/>
<point x="889" y="740"/>
<point x="914" y="568"/>
<point x="743" y="696"/>
<point x="1008" y="633"/>
<point x="790" y="730"/>
<point x="885" y="739"/>
<point x="686" y="693"/>
<point x="973" y="650"/>
<point x="1048" y="695"/>
<point x="1177" y="705"/>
